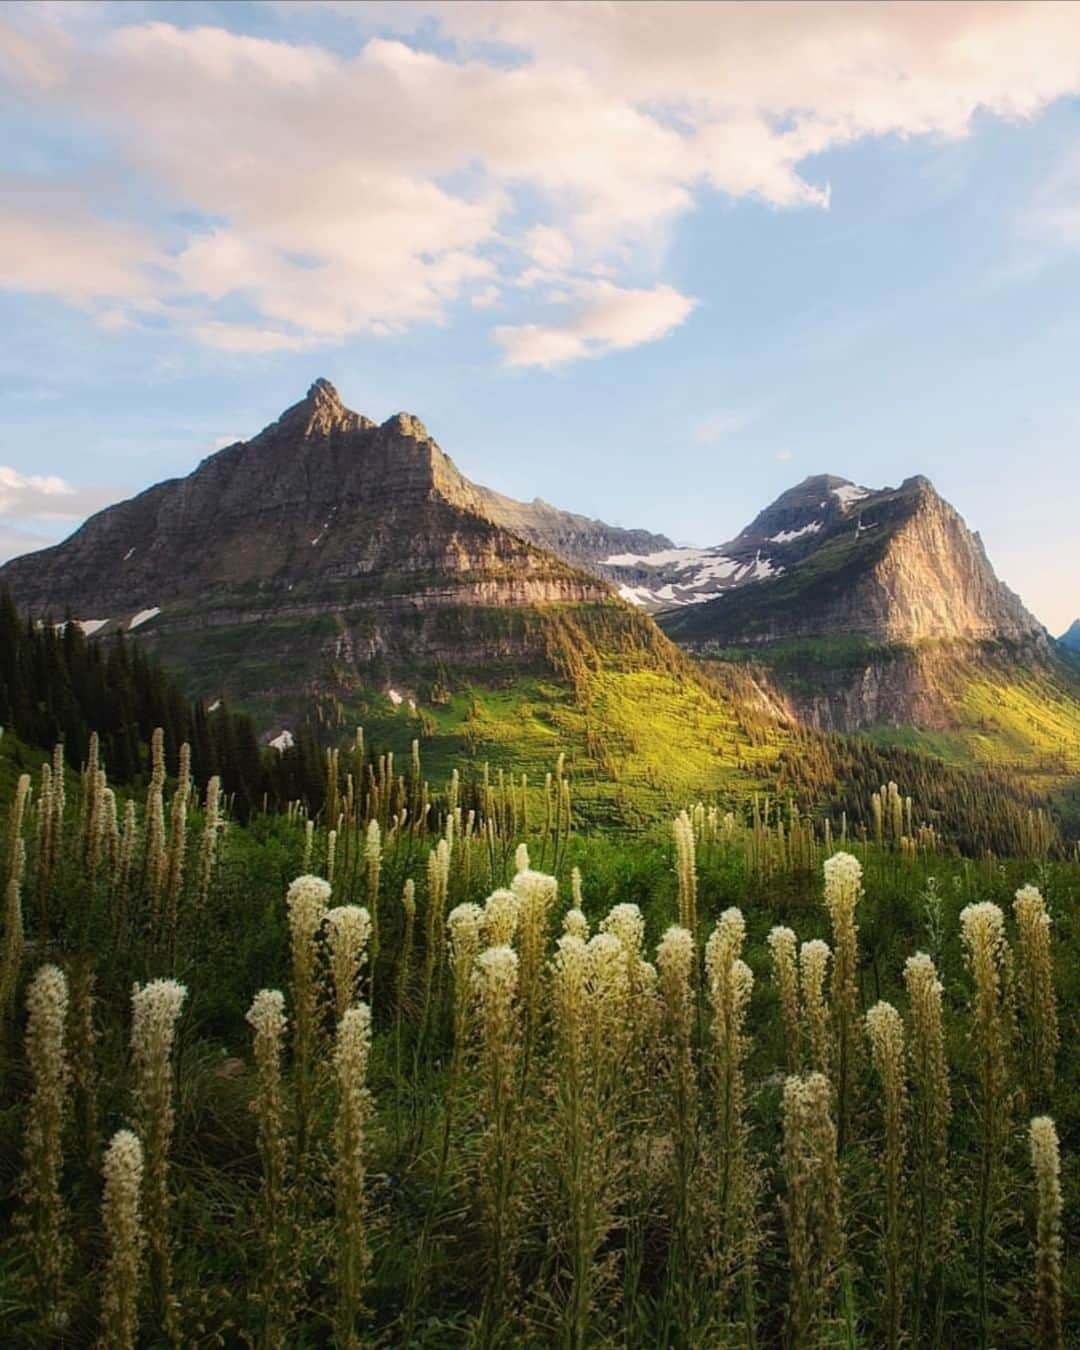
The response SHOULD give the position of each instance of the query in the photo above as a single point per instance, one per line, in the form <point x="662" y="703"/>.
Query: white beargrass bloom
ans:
<point x="626" y="923"/>
<point x="576" y="924"/>
<point x="125" y="1240"/>
<point x="352" y="1050"/>
<point x="47" y="1007"/>
<point x="783" y="946"/>
<point x="155" y="1010"/>
<point x="843" y="880"/>
<point x="502" y="909"/>
<point x="349" y="929"/>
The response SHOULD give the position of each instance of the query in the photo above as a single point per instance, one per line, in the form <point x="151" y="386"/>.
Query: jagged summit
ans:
<point x="322" y="391"/>
<point x="320" y="502"/>
<point x="789" y="529"/>
<point x="1071" y="637"/>
<point x="330" y="540"/>
<point x="835" y="559"/>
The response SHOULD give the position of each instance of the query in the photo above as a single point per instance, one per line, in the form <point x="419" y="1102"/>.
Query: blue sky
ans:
<point x="654" y="264"/>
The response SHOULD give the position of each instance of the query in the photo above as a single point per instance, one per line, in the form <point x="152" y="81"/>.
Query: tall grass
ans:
<point x="502" y="1125"/>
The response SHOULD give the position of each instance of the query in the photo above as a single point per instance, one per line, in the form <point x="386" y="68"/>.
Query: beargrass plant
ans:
<point x="931" y="1110"/>
<point x="125" y="1240"/>
<point x="155" y="1010"/>
<point x="843" y="890"/>
<point x="44" y="1211"/>
<point x="885" y="1032"/>
<point x="983" y="930"/>
<point x="1046" y="1164"/>
<point x="1037" y="992"/>
<point x="584" y="1202"/>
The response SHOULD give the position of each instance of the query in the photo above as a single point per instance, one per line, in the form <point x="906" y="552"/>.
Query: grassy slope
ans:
<point x="1004" y="710"/>
<point x="646" y="742"/>
<point x="642" y="732"/>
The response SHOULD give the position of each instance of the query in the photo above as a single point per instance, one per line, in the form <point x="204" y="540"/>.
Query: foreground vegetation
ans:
<point x="436" y="1069"/>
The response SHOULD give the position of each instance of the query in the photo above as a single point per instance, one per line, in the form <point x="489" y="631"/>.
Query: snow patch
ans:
<point x="636" y="595"/>
<point x="217" y="704"/>
<point x="319" y="537"/>
<point x="716" y="568"/>
<point x="680" y="558"/>
<point x="283" y="741"/>
<point x="786" y="536"/>
<point x="395" y="698"/>
<point x="91" y="626"/>
<point x="848" y="494"/>
<point x="761" y="568"/>
<point x="128" y="554"/>
<point x="144" y="616"/>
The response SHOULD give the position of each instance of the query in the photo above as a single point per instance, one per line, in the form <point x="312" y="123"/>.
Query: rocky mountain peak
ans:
<point x="319" y="414"/>
<point x="405" y="424"/>
<point x="835" y="559"/>
<point x="323" y="394"/>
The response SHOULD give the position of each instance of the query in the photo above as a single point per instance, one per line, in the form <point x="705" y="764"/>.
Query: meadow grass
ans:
<point x="536" y="1111"/>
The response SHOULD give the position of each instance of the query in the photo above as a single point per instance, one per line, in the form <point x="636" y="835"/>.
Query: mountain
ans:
<point x="1071" y="638"/>
<point x="831" y="559"/>
<point x="331" y="571"/>
<point x="337" y="569"/>
<point x="323" y="504"/>
<point x="879" y="612"/>
<point x="669" y="577"/>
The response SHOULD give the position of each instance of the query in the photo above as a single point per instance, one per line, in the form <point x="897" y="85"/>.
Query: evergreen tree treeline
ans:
<point x="56" y="685"/>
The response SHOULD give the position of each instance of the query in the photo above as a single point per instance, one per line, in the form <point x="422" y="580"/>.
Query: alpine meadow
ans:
<point x="634" y="905"/>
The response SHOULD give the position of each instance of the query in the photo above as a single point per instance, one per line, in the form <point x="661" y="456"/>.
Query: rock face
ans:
<point x="326" y="541"/>
<point x="894" y="566"/>
<point x="322" y="503"/>
<point x="880" y="609"/>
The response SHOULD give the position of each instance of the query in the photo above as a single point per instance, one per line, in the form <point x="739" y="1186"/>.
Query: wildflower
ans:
<point x="125" y="1240"/>
<point x="155" y="1009"/>
<point x="843" y="890"/>
<point x="686" y="871"/>
<point x="306" y="903"/>
<point x="930" y="1126"/>
<point x="351" y="1052"/>
<point x="576" y="924"/>
<point x="982" y="927"/>
<point x="501" y="911"/>
<point x="1046" y="1163"/>
<point x="267" y="1019"/>
<point x="47" y="1007"/>
<point x="782" y="949"/>
<point x="349" y="927"/>
<point x="886" y="1034"/>
<point x="812" y="1207"/>
<point x="495" y="985"/>
<point x="813" y="964"/>
<point x="1037" y="985"/>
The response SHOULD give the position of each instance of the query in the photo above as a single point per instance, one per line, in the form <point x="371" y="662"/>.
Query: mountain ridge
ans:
<point x="894" y="565"/>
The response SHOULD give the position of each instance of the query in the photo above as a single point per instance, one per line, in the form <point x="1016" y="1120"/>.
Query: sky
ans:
<point x="651" y="262"/>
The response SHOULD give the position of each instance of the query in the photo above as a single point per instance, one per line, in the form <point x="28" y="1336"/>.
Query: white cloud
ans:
<point x="49" y="497"/>
<point x="608" y="318"/>
<point x="550" y="249"/>
<point x="486" y="298"/>
<point x="784" y="456"/>
<point x="300" y="196"/>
